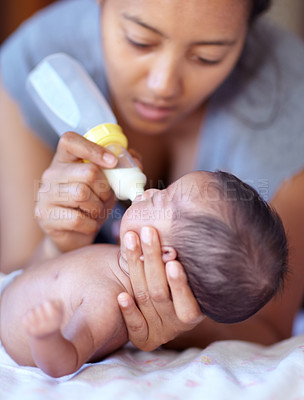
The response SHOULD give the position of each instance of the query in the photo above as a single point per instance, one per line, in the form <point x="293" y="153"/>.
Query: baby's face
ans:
<point x="158" y="208"/>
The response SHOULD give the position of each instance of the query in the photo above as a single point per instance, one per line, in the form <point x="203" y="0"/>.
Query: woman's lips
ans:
<point x="152" y="112"/>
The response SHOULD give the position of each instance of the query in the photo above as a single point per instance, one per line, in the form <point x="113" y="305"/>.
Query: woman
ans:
<point x="194" y="85"/>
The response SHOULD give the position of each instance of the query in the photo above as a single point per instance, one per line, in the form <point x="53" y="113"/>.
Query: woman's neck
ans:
<point x="167" y="156"/>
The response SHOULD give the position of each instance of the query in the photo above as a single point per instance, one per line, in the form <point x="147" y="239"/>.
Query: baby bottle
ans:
<point x="70" y="101"/>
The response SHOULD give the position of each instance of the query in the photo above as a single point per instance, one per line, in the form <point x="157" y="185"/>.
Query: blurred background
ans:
<point x="289" y="13"/>
<point x="13" y="12"/>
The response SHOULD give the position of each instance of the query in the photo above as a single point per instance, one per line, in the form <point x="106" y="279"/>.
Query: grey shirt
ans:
<point x="254" y="127"/>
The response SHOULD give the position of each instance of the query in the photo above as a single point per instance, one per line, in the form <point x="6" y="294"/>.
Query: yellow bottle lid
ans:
<point x="105" y="134"/>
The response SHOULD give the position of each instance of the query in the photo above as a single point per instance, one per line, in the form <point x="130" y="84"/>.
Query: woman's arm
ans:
<point x="23" y="158"/>
<point x="269" y="325"/>
<point x="68" y="199"/>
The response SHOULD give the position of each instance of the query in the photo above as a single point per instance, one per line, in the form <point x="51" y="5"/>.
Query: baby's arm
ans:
<point x="95" y="329"/>
<point x="51" y="351"/>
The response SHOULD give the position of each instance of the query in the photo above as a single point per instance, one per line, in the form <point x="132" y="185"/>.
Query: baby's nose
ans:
<point x="145" y="196"/>
<point x="137" y="198"/>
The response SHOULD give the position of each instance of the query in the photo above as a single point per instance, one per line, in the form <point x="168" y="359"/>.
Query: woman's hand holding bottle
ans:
<point x="75" y="198"/>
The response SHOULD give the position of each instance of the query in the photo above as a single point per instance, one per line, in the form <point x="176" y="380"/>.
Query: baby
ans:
<point x="232" y="246"/>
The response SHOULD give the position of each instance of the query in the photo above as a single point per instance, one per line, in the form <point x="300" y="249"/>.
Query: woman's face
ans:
<point x="164" y="58"/>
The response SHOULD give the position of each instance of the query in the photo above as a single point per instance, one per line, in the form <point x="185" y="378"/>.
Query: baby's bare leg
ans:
<point x="51" y="352"/>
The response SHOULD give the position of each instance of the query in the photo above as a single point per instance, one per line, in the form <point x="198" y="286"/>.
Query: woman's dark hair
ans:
<point x="258" y="7"/>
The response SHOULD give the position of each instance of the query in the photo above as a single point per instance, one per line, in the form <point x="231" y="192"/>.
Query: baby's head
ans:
<point x="231" y="244"/>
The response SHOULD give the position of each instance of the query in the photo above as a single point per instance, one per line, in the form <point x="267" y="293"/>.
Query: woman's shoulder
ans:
<point x="269" y="73"/>
<point x="271" y="46"/>
<point x="270" y="31"/>
<point x="255" y="123"/>
<point x="267" y="85"/>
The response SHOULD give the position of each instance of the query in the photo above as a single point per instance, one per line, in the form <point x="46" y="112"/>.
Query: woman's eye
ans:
<point x="205" y="61"/>
<point x="138" y="44"/>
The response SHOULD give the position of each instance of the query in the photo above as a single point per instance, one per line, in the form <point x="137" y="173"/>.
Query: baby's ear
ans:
<point x="168" y="254"/>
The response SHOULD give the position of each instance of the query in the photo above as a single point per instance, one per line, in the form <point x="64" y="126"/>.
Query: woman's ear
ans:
<point x="168" y="254"/>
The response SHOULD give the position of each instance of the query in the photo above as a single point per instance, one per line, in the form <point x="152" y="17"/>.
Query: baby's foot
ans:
<point x="44" y="319"/>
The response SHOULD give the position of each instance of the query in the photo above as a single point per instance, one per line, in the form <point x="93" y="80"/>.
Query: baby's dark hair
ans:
<point x="235" y="253"/>
<point x="259" y="7"/>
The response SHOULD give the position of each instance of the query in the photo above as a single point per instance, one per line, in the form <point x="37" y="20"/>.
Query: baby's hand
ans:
<point x="44" y="319"/>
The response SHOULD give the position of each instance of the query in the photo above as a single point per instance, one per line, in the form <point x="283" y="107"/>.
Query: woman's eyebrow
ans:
<point x="138" y="21"/>
<point x="215" y="43"/>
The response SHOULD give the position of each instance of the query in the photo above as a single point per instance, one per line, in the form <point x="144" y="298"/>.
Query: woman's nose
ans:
<point x="164" y="78"/>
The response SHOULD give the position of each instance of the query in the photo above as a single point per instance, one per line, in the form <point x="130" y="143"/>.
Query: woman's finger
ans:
<point x="137" y="158"/>
<point x="137" y="274"/>
<point x="56" y="219"/>
<point x="185" y="304"/>
<point x="88" y="173"/>
<point x="73" y="147"/>
<point x="135" y="322"/>
<point x="154" y="266"/>
<point x="77" y="196"/>
<point x="156" y="275"/>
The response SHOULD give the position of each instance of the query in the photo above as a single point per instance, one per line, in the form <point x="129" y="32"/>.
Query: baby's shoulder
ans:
<point x="96" y="278"/>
